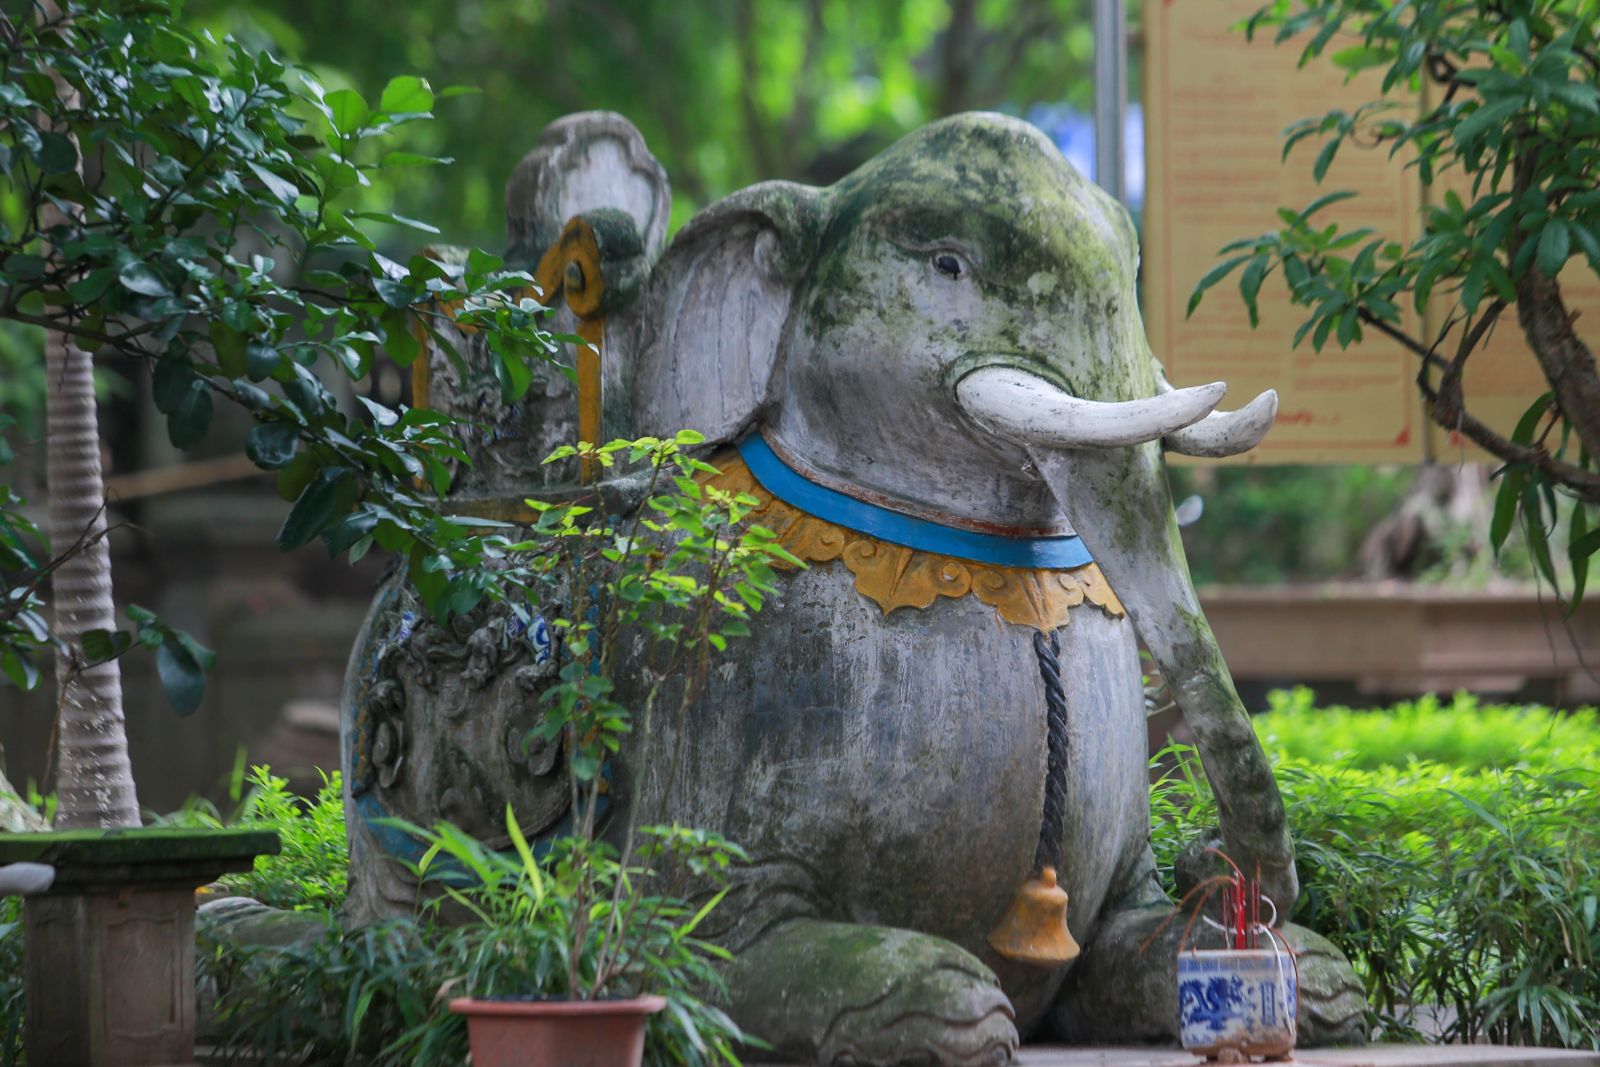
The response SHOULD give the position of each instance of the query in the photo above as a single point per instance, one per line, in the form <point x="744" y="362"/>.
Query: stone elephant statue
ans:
<point x="934" y="376"/>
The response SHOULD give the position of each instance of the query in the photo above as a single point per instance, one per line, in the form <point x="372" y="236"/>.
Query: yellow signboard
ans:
<point x="1216" y="107"/>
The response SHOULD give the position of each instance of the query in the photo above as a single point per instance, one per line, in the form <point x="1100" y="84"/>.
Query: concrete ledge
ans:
<point x="113" y="860"/>
<point x="1395" y="637"/>
<point x="1371" y="1056"/>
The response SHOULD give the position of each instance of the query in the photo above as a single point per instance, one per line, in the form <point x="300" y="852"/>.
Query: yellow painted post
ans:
<point x="571" y="268"/>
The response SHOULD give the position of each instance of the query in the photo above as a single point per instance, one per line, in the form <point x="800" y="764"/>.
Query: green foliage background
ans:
<point x="1274" y="524"/>
<point x="726" y="92"/>
<point x="1460" y="732"/>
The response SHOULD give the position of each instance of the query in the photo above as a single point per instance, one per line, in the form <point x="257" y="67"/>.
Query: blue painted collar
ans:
<point x="793" y="488"/>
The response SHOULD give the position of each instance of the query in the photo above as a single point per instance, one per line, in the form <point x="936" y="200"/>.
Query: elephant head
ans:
<point x="953" y="331"/>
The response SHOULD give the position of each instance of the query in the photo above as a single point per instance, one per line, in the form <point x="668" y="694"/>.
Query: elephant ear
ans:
<point x="717" y="305"/>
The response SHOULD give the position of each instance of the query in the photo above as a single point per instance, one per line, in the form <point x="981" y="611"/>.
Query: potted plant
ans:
<point x="1238" y="1000"/>
<point x="567" y="954"/>
<point x="593" y="934"/>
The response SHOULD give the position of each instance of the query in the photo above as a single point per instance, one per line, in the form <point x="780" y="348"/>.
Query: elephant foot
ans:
<point x="239" y="923"/>
<point x="1119" y="992"/>
<point x="238" y="930"/>
<point x="843" y="995"/>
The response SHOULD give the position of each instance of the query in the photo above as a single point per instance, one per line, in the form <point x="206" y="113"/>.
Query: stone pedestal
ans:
<point x="110" y="948"/>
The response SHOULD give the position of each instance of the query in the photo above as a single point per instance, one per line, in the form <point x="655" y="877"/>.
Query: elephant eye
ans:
<point x="949" y="264"/>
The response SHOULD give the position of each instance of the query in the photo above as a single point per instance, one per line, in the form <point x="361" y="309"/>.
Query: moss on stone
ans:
<point x="135" y="845"/>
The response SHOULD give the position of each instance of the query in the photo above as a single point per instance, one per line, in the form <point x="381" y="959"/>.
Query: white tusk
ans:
<point x="1227" y="433"/>
<point x="1025" y="408"/>
<point x="1223" y="433"/>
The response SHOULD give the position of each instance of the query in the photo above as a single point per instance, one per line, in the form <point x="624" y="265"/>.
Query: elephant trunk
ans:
<point x="1119" y="503"/>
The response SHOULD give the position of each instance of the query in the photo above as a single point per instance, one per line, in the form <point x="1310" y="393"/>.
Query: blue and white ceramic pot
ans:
<point x="1239" y="1000"/>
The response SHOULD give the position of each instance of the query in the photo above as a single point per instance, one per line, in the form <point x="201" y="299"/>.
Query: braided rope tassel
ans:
<point x="1053" y="822"/>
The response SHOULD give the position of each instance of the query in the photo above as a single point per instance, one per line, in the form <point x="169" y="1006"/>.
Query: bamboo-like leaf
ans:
<point x="1486" y="117"/>
<point x="1577" y="555"/>
<point x="181" y="677"/>
<point x="706" y="909"/>
<point x="1505" y="506"/>
<point x="1555" y="243"/>
<point x="1534" y="530"/>
<point x="530" y="866"/>
<point x="1319" y="169"/>
<point x="1212" y="277"/>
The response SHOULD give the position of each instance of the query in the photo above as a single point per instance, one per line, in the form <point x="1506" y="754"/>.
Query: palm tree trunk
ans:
<point x="94" y="784"/>
<point x="94" y="781"/>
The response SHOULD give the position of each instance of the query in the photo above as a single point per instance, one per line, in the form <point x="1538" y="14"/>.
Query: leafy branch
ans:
<point x="192" y="205"/>
<point x="1513" y="144"/>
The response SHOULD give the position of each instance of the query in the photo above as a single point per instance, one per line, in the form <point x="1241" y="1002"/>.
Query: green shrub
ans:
<point x="1460" y="732"/>
<point x="1284" y="524"/>
<point x="1473" y="892"/>
<point x="309" y="871"/>
<point x="307" y="875"/>
<point x="346" y="997"/>
<point x="11" y="987"/>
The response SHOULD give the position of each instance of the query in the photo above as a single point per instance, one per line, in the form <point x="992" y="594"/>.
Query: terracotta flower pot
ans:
<point x="1239" y="1000"/>
<point x="556" y="1033"/>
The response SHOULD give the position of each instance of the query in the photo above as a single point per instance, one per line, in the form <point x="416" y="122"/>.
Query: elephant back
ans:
<point x="594" y="165"/>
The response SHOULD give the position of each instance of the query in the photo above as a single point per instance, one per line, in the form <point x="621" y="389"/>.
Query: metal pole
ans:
<point x="1110" y="93"/>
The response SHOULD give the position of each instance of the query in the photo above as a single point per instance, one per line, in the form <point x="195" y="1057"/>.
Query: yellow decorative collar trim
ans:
<point x="893" y="576"/>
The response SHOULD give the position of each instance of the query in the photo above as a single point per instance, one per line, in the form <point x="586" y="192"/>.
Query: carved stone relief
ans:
<point x="507" y="441"/>
<point x="448" y="727"/>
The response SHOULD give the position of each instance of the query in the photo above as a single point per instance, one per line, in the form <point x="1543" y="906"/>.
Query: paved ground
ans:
<point x="1372" y="1056"/>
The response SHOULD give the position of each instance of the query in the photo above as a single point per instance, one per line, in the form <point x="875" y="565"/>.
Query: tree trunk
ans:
<point x="94" y="782"/>
<point x="1567" y="363"/>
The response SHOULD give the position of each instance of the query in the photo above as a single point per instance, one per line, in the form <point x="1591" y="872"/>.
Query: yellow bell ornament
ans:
<point x="1034" y="929"/>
